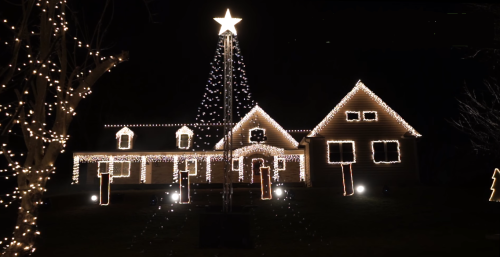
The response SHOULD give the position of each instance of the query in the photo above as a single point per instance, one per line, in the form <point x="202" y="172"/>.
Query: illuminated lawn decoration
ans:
<point x="184" y="136"/>
<point x="227" y="23"/>
<point x="495" y="195"/>
<point x="347" y="179"/>
<point x="352" y="116"/>
<point x="104" y="189"/>
<point x="184" y="195"/>
<point x="125" y="137"/>
<point x="386" y="151"/>
<point x="256" y="109"/>
<point x="341" y="152"/>
<point x="370" y="116"/>
<point x="143" y="169"/>
<point x="361" y="86"/>
<point x="265" y="183"/>
<point x="192" y="166"/>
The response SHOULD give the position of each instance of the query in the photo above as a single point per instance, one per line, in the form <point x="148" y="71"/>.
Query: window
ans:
<point x="341" y="152"/>
<point x="192" y="167"/>
<point x="124" y="138"/>
<point x="352" y="116"/>
<point x="386" y="151"/>
<point x="124" y="143"/>
<point x="236" y="164"/>
<point x="184" y="141"/>
<point x="257" y="135"/>
<point x="120" y="169"/>
<point x="184" y="136"/>
<point x="370" y="116"/>
<point x="280" y="164"/>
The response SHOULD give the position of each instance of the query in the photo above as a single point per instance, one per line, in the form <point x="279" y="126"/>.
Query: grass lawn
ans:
<point x="414" y="221"/>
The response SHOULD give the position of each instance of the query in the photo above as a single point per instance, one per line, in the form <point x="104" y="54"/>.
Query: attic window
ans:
<point x="370" y="116"/>
<point x="341" y="152"/>
<point x="257" y="135"/>
<point x="184" y="137"/>
<point x="352" y="116"/>
<point x="386" y="151"/>
<point x="125" y="138"/>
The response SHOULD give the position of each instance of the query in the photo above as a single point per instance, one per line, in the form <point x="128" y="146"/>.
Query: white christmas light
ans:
<point x="278" y="192"/>
<point x="208" y="174"/>
<point x="143" y="169"/>
<point x="302" y="168"/>
<point x="386" y="141"/>
<point x="175" y="197"/>
<point x="376" y="116"/>
<point x="259" y="149"/>
<point x="361" y="86"/>
<point x="125" y="131"/>
<point x="349" y="112"/>
<point x="227" y="23"/>
<point x="184" y="131"/>
<point x="176" y="169"/>
<point x="250" y="135"/>
<point x="342" y="141"/>
<point x="76" y="169"/>
<point x="94" y="198"/>
<point x="360" y="189"/>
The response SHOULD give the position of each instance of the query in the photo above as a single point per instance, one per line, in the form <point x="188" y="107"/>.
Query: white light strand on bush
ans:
<point x="249" y="115"/>
<point x="125" y="131"/>
<point x="143" y="169"/>
<point x="208" y="174"/>
<point x="176" y="170"/>
<point x="259" y="149"/>
<point x="341" y="142"/>
<point x="376" y="116"/>
<point x="386" y="141"/>
<point x="361" y="86"/>
<point x="302" y="168"/>
<point x="76" y="170"/>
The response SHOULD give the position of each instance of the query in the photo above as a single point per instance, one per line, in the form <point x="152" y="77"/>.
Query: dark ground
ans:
<point x="417" y="221"/>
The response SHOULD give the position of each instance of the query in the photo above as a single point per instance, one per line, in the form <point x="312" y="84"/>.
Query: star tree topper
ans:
<point x="227" y="23"/>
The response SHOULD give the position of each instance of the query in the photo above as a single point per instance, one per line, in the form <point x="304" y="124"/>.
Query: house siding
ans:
<point x="365" y="171"/>
<point x="162" y="173"/>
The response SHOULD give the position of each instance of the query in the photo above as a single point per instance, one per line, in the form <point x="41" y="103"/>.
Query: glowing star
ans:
<point x="227" y="23"/>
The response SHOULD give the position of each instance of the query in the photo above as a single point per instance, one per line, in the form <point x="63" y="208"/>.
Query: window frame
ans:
<point x="376" y="116"/>
<point x="347" y="116"/>
<point x="233" y="166"/>
<point x="341" y="151"/>
<point x="385" y="151"/>
<point x="107" y="168"/>
<point x="278" y="165"/>
<point x="250" y="135"/>
<point x="195" y="161"/>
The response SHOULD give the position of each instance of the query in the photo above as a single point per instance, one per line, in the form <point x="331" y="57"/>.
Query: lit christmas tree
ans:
<point x="212" y="105"/>
<point x="495" y="195"/>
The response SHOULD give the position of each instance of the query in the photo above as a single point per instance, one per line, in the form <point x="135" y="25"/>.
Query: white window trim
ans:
<point x="385" y="148"/>
<point x="110" y="168"/>
<point x="129" y="133"/>
<point x="250" y="135"/>
<point x="347" y="116"/>
<point x="184" y="131"/>
<point x="195" y="161"/>
<point x="284" y="163"/>
<point x="342" y="141"/>
<point x="376" y="116"/>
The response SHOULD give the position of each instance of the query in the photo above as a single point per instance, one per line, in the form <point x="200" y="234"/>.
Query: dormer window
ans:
<point x="257" y="135"/>
<point x="124" y="137"/>
<point x="370" y="116"/>
<point x="184" y="137"/>
<point x="352" y="116"/>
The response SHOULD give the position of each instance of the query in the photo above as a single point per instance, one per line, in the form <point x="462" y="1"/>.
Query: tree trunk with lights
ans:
<point x="51" y="68"/>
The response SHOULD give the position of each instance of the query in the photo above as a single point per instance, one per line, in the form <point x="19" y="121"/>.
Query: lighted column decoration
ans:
<point x="240" y="168"/>
<point x="184" y="197"/>
<point x="228" y="30"/>
<point x="276" y="175"/>
<point x="104" y="189"/>
<point x="176" y="169"/>
<point x="143" y="169"/>
<point x="111" y="166"/>
<point x="265" y="183"/>
<point x="302" y="168"/>
<point x="76" y="170"/>
<point x="495" y="196"/>
<point x="347" y="179"/>
<point x="209" y="168"/>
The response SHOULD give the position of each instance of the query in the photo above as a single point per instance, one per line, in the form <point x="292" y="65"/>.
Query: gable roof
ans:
<point x="361" y="86"/>
<point x="257" y="109"/>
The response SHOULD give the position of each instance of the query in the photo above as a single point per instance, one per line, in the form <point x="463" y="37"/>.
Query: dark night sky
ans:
<point x="294" y="74"/>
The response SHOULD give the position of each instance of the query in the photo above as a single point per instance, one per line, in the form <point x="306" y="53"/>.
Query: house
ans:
<point x="362" y="140"/>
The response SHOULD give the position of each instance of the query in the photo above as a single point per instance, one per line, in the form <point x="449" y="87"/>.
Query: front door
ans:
<point x="256" y="164"/>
